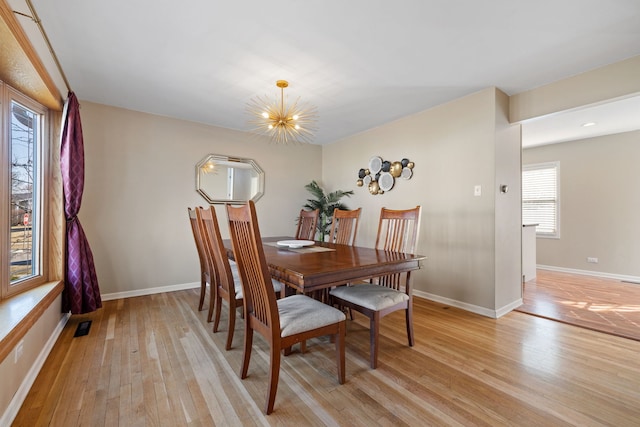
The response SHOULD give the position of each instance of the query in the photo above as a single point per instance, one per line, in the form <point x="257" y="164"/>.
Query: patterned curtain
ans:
<point x="81" y="292"/>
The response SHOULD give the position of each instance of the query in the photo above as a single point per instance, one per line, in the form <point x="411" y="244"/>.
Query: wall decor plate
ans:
<point x="366" y="180"/>
<point x="406" y="173"/>
<point x="386" y="181"/>
<point x="375" y="164"/>
<point x="295" y="243"/>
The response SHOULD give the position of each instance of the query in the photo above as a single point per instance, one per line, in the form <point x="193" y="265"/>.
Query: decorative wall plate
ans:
<point x="366" y="180"/>
<point x="375" y="164"/>
<point x="386" y="181"/>
<point x="406" y="173"/>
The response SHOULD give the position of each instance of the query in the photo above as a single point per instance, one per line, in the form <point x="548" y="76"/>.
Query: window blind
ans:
<point x="540" y="197"/>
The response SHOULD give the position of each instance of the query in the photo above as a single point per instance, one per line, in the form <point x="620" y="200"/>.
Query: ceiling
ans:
<point x="362" y="63"/>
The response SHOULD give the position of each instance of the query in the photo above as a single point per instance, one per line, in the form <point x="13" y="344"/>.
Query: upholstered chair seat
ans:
<point x="237" y="283"/>
<point x="373" y="297"/>
<point x="299" y="313"/>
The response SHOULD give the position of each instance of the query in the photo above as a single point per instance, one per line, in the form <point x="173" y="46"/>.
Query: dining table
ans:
<point x="321" y="265"/>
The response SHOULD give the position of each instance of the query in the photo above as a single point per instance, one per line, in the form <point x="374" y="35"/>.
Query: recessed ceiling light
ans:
<point x="586" y="125"/>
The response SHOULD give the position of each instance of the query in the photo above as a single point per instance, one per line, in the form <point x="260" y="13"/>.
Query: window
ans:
<point x="540" y="198"/>
<point x="22" y="190"/>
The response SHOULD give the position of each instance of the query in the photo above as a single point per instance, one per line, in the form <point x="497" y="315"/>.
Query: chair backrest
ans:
<point x="307" y="223"/>
<point x="397" y="232"/>
<point x="259" y="296"/>
<point x="205" y="267"/>
<point x="344" y="226"/>
<point x="215" y="248"/>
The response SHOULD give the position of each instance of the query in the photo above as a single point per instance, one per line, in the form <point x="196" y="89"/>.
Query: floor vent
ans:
<point x="83" y="329"/>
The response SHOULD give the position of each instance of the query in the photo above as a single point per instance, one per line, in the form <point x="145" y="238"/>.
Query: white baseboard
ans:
<point x="21" y="394"/>
<point x="149" y="291"/>
<point x="620" y="277"/>
<point x="494" y="314"/>
<point x="508" y="308"/>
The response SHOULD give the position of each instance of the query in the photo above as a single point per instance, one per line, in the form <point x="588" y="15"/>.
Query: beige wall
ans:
<point x="618" y="80"/>
<point x="599" y="204"/>
<point x="36" y="345"/>
<point x="140" y="179"/>
<point x="455" y="146"/>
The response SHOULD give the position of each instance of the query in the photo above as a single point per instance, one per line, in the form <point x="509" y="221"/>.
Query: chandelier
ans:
<point x="282" y="123"/>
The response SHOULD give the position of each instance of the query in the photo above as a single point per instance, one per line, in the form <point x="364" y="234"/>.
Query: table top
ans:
<point x="325" y="264"/>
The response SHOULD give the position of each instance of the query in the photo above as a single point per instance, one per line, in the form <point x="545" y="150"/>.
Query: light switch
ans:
<point x="477" y="190"/>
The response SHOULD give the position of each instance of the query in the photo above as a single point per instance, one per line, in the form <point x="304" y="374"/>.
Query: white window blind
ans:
<point x="540" y="197"/>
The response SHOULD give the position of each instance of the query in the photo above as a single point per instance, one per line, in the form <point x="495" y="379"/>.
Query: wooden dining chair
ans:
<point x="206" y="269"/>
<point x="307" y="223"/>
<point x="344" y="226"/>
<point x="228" y="286"/>
<point x="397" y="232"/>
<point x="282" y="322"/>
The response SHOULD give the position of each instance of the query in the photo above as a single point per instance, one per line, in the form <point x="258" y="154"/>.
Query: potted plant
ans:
<point x="326" y="203"/>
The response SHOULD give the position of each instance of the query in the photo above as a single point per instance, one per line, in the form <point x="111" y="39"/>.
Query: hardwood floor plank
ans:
<point x="153" y="360"/>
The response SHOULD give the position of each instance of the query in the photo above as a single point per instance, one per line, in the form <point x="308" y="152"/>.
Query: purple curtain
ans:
<point x="81" y="292"/>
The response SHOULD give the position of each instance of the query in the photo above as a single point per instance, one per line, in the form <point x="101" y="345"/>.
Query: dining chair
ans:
<point x="344" y="226"/>
<point x="206" y="269"/>
<point x="282" y="322"/>
<point x="397" y="232"/>
<point x="307" y="223"/>
<point x="228" y="286"/>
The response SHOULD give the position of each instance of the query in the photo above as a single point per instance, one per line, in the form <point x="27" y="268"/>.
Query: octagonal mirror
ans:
<point x="224" y="179"/>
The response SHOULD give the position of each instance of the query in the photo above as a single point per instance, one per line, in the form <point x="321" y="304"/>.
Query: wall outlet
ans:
<point x="592" y="260"/>
<point x="18" y="351"/>
<point x="477" y="190"/>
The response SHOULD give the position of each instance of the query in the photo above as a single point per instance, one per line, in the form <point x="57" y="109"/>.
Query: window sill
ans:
<point x="19" y="313"/>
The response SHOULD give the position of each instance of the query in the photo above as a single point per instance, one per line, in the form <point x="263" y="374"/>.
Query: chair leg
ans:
<point x="274" y="373"/>
<point x="218" y="309"/>
<point x="203" y="291"/>
<point x="409" y="316"/>
<point x="339" y="339"/>
<point x="213" y="296"/>
<point x="374" y="333"/>
<point x="248" y="342"/>
<point x="232" y="327"/>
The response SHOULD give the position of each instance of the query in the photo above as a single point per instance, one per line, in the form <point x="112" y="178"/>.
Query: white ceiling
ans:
<point x="362" y="63"/>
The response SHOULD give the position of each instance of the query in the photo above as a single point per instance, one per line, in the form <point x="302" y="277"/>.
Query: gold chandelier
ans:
<point x="282" y="123"/>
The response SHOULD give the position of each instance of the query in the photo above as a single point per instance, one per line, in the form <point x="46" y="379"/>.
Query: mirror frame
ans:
<point x="228" y="161"/>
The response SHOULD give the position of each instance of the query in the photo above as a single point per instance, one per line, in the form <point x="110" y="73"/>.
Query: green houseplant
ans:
<point x="326" y="203"/>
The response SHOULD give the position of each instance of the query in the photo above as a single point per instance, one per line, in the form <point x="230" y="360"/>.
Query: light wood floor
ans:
<point x="601" y="304"/>
<point x="154" y="361"/>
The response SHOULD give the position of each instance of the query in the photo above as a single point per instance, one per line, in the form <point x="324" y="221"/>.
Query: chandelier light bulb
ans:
<point x="295" y="117"/>
<point x="265" y="115"/>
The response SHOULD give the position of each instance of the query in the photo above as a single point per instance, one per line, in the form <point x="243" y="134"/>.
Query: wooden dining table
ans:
<point x="323" y="265"/>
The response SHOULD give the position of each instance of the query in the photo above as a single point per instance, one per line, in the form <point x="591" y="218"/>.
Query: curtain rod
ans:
<point x="34" y="17"/>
